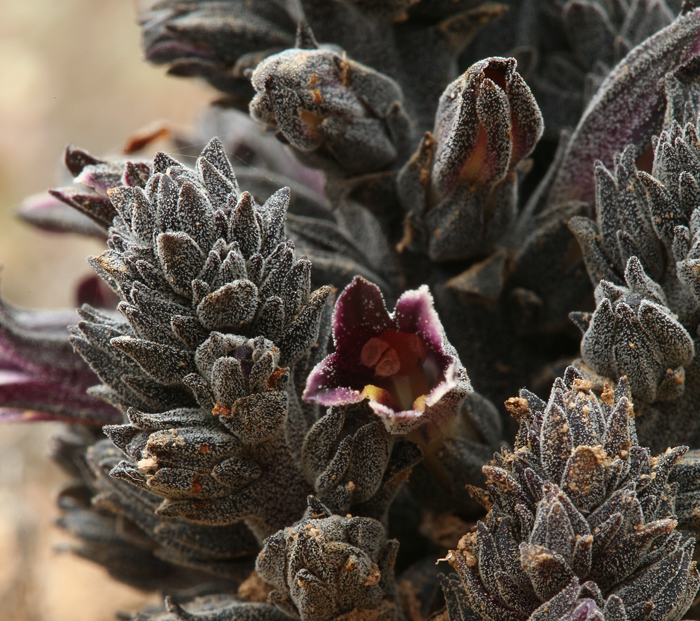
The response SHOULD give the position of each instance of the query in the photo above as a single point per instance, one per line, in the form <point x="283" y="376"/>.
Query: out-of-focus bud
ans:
<point x="217" y="40"/>
<point x="460" y="188"/>
<point x="402" y="363"/>
<point x="335" y="113"/>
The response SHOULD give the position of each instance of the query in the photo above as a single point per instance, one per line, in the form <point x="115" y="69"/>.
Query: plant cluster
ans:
<point x="305" y="369"/>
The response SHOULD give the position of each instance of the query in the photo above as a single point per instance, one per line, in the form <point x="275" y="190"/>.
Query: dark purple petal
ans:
<point x="359" y="315"/>
<point x="329" y="383"/>
<point x="23" y="397"/>
<point x="415" y="313"/>
<point x="37" y="342"/>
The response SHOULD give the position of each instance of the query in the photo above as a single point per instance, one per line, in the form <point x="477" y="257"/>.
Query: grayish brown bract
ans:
<point x="581" y="521"/>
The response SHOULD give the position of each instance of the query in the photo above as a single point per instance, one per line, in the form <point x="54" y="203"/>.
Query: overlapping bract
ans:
<point x="216" y="40"/>
<point x="581" y="521"/>
<point x="210" y="414"/>
<point x="354" y="463"/>
<point x="415" y="43"/>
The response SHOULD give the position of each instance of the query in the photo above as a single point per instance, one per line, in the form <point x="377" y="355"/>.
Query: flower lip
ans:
<point x="399" y="361"/>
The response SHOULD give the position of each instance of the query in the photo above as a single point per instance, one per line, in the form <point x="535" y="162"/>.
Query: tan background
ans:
<point x="70" y="71"/>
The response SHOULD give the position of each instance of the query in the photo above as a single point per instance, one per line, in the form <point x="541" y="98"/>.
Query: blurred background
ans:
<point x="70" y="72"/>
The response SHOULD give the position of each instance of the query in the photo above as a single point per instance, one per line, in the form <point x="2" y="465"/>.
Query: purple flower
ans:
<point x="402" y="362"/>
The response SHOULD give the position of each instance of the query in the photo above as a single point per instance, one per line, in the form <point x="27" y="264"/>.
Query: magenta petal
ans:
<point x="329" y="384"/>
<point x="341" y="378"/>
<point x="359" y="315"/>
<point x="416" y="313"/>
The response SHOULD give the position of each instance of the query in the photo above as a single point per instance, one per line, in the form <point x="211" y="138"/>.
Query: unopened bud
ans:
<point x="487" y="122"/>
<point x="335" y="113"/>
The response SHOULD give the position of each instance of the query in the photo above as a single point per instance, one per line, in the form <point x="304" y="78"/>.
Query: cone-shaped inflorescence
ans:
<point x="581" y="522"/>
<point x="328" y="567"/>
<point x="219" y="314"/>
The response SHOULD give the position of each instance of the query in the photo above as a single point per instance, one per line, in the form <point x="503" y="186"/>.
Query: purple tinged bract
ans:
<point x="41" y="377"/>
<point x="627" y="109"/>
<point x="401" y="362"/>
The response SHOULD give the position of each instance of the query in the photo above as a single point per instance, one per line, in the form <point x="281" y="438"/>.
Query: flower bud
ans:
<point x="335" y="113"/>
<point x="487" y="121"/>
<point x="217" y="41"/>
<point x="463" y="176"/>
<point x="326" y="567"/>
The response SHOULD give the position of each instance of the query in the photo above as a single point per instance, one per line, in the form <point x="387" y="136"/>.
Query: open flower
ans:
<point x="401" y="362"/>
